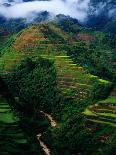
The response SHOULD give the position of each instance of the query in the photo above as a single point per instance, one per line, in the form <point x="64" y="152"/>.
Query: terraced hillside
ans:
<point x="103" y="112"/>
<point x="50" y="42"/>
<point x="77" y="85"/>
<point x="101" y="121"/>
<point x="12" y="139"/>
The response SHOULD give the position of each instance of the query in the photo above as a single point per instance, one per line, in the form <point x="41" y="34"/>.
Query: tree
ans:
<point x="33" y="84"/>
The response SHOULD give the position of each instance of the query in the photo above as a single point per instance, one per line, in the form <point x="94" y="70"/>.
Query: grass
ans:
<point x="2" y="110"/>
<point x="103" y="114"/>
<point x="107" y="114"/>
<point x="11" y="135"/>
<point x="67" y="70"/>
<point x="102" y="122"/>
<point x="40" y="41"/>
<point x="9" y="59"/>
<point x="103" y="81"/>
<point x="111" y="99"/>
<point x="88" y="112"/>
<point x="4" y="106"/>
<point x="6" y="115"/>
<point x="72" y="79"/>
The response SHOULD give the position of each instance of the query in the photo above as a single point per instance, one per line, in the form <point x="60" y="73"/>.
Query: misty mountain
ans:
<point x="101" y="13"/>
<point x="98" y="14"/>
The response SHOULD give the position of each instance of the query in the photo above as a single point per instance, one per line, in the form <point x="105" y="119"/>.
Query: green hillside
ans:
<point x="68" y="75"/>
<point x="12" y="139"/>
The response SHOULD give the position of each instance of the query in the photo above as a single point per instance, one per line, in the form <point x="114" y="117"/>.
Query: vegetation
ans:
<point x="12" y="138"/>
<point x="33" y="84"/>
<point x="63" y="70"/>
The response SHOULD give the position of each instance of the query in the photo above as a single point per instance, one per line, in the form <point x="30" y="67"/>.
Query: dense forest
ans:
<point x="57" y="86"/>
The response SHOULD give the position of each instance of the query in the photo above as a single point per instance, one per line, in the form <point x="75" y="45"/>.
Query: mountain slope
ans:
<point x="66" y="45"/>
<point x="48" y="41"/>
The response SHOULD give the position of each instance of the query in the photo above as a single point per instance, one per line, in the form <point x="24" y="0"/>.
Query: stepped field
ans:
<point x="104" y="111"/>
<point x="12" y="139"/>
<point x="50" y="42"/>
<point x="75" y="82"/>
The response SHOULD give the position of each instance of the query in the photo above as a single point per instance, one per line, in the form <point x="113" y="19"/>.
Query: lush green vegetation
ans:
<point x="25" y="100"/>
<point x="94" y="50"/>
<point x="12" y="138"/>
<point x="33" y="84"/>
<point x="111" y="100"/>
<point x="46" y="68"/>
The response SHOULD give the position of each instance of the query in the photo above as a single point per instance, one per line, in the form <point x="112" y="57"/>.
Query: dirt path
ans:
<point x="44" y="147"/>
<point x="50" y="118"/>
<point x="53" y="124"/>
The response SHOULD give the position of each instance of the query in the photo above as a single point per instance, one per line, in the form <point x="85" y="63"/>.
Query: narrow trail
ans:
<point x="51" y="120"/>
<point x="53" y="124"/>
<point x="44" y="146"/>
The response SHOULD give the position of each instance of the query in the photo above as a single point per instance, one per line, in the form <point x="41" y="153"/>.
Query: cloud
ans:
<point x="106" y="8"/>
<point x="74" y="8"/>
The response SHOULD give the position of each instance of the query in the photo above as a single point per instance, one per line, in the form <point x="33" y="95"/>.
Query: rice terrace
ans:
<point x="58" y="79"/>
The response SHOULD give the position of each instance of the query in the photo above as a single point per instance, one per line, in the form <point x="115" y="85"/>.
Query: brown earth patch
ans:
<point x="28" y="39"/>
<point x="85" y="37"/>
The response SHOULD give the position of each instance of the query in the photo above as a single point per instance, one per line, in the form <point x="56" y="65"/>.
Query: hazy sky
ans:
<point x="74" y="8"/>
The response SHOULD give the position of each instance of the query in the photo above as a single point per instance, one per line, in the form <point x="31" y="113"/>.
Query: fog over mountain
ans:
<point x="18" y="8"/>
<point x="89" y="12"/>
